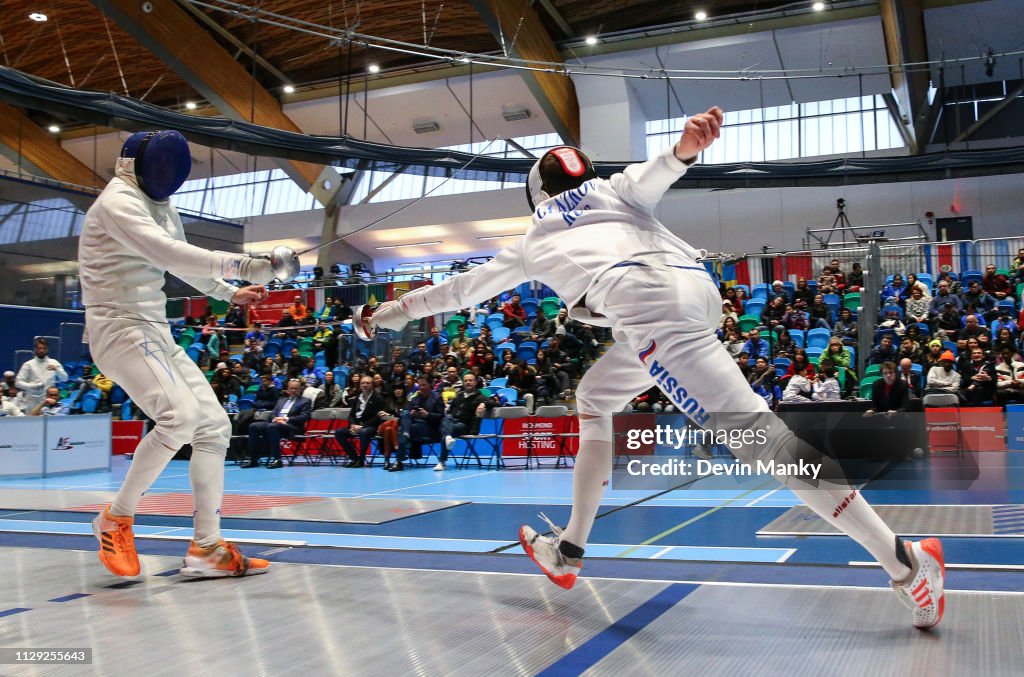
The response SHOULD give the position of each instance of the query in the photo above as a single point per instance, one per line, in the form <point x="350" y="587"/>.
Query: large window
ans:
<point x="837" y="127"/>
<point x="409" y="186"/>
<point x="238" y="196"/>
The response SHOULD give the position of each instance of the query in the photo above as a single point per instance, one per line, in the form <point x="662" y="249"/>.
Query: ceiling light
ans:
<point x="701" y="15"/>
<point x="591" y="40"/>
<point x="500" y="237"/>
<point x="465" y="59"/>
<point x="818" y="6"/>
<point x="36" y="16"/>
<point x="288" y="89"/>
<point x="409" y="244"/>
<point x="373" y="68"/>
<point x="54" y="129"/>
<point x="191" y="105"/>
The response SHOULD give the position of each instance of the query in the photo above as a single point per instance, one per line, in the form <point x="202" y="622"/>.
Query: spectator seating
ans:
<point x="549" y="306"/>
<point x="799" y="337"/>
<point x="754" y="308"/>
<point x="866" y="386"/>
<point x="531" y="306"/>
<point x="927" y="279"/>
<point x="852" y="301"/>
<point x="497" y="383"/>
<point x="818" y="338"/>
<point x="500" y="333"/>
<point x="969" y="276"/>
<point x="760" y="291"/>
<point x="527" y="350"/>
<point x="748" y="322"/>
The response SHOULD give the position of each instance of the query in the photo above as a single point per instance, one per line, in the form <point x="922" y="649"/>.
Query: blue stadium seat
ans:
<point x="498" y="382"/>
<point x="818" y="338"/>
<point x="926" y="278"/>
<point x="500" y="333"/>
<point x="753" y="307"/>
<point x="798" y="336"/>
<point x="527" y="350"/>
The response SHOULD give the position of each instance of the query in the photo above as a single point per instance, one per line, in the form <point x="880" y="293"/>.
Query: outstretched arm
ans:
<point x="643" y="184"/>
<point x="504" y="271"/>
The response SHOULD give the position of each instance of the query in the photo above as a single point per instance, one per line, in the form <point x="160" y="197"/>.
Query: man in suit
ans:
<point x="978" y="379"/>
<point x="889" y="394"/>
<point x="363" y="420"/>
<point x="420" y="421"/>
<point x="291" y="413"/>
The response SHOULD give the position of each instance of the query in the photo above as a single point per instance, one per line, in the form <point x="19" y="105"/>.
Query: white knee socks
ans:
<point x="589" y="477"/>
<point x="150" y="459"/>
<point x="206" y="472"/>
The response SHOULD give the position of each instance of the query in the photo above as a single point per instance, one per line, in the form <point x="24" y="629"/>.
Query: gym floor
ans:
<point x="429" y="577"/>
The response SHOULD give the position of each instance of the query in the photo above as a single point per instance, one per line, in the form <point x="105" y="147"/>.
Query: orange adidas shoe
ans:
<point x="117" y="543"/>
<point x="221" y="561"/>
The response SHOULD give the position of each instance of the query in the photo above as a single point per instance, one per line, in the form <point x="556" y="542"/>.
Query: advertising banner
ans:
<point x="77" y="443"/>
<point x="1015" y="427"/>
<point x="126" y="435"/>
<point x="547" y="431"/>
<point x="21" y="446"/>
<point x="271" y="310"/>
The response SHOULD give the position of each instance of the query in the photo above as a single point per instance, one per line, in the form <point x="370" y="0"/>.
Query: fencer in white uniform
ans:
<point x="131" y="235"/>
<point x="38" y="374"/>
<point x="598" y="245"/>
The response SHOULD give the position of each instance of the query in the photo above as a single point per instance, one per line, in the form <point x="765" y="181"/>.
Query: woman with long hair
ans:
<point x="388" y="430"/>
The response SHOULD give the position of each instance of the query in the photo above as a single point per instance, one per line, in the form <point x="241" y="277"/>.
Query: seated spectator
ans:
<point x="914" y="283"/>
<point x="333" y="393"/>
<point x="311" y="372"/>
<point x="846" y="327"/>
<point x="726" y="325"/>
<point x="942" y="387"/>
<point x="524" y="379"/>
<point x="840" y="358"/>
<point x="883" y="352"/>
<point x="296" y="364"/>
<point x="463" y="417"/>
<point x="839" y="279"/>
<point x="388" y="430"/>
<point x="910" y="350"/>
<point x="740" y="301"/>
<point x="803" y="292"/>
<point x="239" y="371"/>
<point x="363" y="420"/>
<point x="449" y="384"/>
<point x="826" y="280"/>
<point x="210" y="327"/>
<point x="514" y="314"/>
<point x="955" y="286"/>
<point x="756" y="346"/>
<point x="796" y="317"/>
<point x="541" y="328"/>
<point x="996" y="284"/>
<point x="943" y="297"/>
<point x="291" y="414"/>
<point x="89" y="381"/>
<point x="855" y="280"/>
<point x="727" y="314"/>
<point x="896" y="289"/>
<point x="225" y="384"/>
<point x="38" y="374"/>
<point x="933" y="356"/>
<point x="825" y="388"/>
<point x="286" y="326"/>
<point x="252" y="353"/>
<point x="774" y="312"/>
<point x="235" y="319"/>
<point x="51" y="404"/>
<point x="460" y="341"/>
<point x="784" y="345"/>
<point x="888" y="394"/>
<point x="312" y="392"/>
<point x="821" y="313"/>
<point x="799" y="388"/>
<point x="763" y="375"/>
<point x="267" y="395"/>
<point x="651" y="400"/>
<point x="743" y="362"/>
<point x="778" y="289"/>
<point x="9" y="401"/>
<point x="1017" y="269"/>
<point x="947" y="324"/>
<point x="434" y="343"/>
<point x="420" y="421"/>
<point x="731" y="297"/>
<point x="554" y="380"/>
<point x="975" y="296"/>
<point x="298" y="309"/>
<point x="800" y="365"/>
<point x="734" y="342"/>
<point x="972" y="329"/>
<point x="917" y="306"/>
<point x="905" y="372"/>
<point x="978" y="379"/>
<point x="1004" y="321"/>
<point x="1009" y="378"/>
<point x="892" y="321"/>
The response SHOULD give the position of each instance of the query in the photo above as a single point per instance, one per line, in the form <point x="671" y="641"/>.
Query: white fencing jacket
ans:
<point x="35" y="377"/>
<point x="575" y="237"/>
<point x="128" y="241"/>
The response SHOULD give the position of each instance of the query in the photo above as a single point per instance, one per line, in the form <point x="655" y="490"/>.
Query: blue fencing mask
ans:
<point x="162" y="161"/>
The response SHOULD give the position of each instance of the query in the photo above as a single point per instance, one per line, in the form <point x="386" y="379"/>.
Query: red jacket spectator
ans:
<point x="515" y="314"/>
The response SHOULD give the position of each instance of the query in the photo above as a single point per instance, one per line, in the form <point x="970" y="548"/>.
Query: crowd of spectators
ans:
<point x="951" y="342"/>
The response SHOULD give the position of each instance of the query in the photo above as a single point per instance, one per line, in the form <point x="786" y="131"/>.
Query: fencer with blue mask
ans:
<point x="598" y="245"/>
<point x="131" y="236"/>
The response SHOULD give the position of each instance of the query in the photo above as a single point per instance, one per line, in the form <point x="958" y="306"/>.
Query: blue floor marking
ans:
<point x="595" y="649"/>
<point x="70" y="598"/>
<point x="11" y="612"/>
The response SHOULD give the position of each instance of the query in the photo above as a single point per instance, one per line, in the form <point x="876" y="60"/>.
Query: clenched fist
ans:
<point x="699" y="132"/>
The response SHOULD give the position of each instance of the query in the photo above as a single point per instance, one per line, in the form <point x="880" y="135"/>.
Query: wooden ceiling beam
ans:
<point x="903" y="26"/>
<point x="174" y="37"/>
<point x="25" y="142"/>
<point x="518" y="30"/>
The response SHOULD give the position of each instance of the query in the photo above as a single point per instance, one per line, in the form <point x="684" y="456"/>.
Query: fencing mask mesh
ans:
<point x="162" y="161"/>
